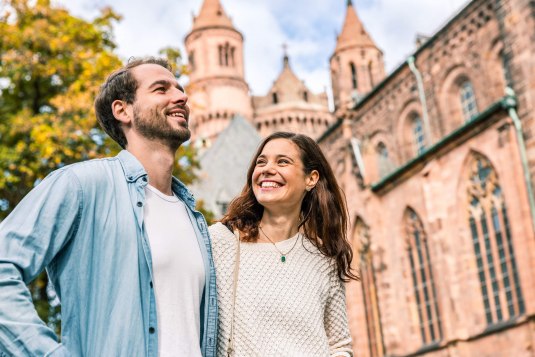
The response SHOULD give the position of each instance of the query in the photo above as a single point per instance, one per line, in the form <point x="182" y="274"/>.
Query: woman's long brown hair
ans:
<point x="324" y="216"/>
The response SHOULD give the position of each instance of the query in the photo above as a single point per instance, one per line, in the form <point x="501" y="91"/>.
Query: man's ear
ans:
<point x="121" y="111"/>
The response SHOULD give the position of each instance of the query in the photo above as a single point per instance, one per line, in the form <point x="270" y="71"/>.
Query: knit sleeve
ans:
<point x="336" y="324"/>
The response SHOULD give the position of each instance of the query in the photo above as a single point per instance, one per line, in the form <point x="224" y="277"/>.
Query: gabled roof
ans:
<point x="224" y="165"/>
<point x="287" y="85"/>
<point x="353" y="32"/>
<point x="212" y="14"/>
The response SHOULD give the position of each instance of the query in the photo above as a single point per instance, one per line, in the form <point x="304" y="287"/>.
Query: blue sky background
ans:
<point x="308" y="27"/>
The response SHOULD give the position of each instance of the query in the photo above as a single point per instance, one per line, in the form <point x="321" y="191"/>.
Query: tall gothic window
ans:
<point x="418" y="134"/>
<point x="226" y="55"/>
<point x="370" y="73"/>
<point x="468" y="100"/>
<point x="493" y="246"/>
<point x="232" y="61"/>
<point x="275" y="97"/>
<point x="383" y="159"/>
<point x="369" y="291"/>
<point x="422" y="279"/>
<point x="353" y="75"/>
<point x="191" y="60"/>
<point x="506" y="65"/>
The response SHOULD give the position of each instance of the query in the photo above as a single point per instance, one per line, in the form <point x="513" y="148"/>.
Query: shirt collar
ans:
<point x="131" y="166"/>
<point x="133" y="170"/>
<point x="183" y="193"/>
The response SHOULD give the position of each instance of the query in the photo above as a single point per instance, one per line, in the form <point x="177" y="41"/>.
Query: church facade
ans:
<point x="436" y="159"/>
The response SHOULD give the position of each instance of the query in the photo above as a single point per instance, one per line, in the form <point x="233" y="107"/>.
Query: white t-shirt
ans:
<point x="178" y="274"/>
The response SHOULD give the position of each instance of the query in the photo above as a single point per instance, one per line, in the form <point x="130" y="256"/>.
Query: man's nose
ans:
<point x="179" y="96"/>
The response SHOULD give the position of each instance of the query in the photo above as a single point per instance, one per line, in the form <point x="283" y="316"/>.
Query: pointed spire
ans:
<point x="286" y="59"/>
<point x="353" y="33"/>
<point x="212" y="14"/>
<point x="287" y="85"/>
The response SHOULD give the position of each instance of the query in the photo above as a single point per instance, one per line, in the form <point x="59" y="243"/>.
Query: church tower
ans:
<point x="356" y="64"/>
<point x="217" y="89"/>
<point x="291" y="106"/>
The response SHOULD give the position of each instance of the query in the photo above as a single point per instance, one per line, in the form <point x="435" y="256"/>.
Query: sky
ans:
<point x="307" y="27"/>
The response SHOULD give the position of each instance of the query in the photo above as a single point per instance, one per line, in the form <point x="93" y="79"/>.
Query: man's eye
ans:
<point x="160" y="89"/>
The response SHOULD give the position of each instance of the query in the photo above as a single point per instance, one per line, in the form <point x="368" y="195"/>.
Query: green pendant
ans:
<point x="283" y="258"/>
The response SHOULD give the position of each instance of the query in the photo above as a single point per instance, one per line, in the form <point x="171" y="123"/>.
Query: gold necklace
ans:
<point x="283" y="255"/>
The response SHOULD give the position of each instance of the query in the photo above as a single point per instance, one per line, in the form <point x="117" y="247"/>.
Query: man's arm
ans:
<point x="30" y="237"/>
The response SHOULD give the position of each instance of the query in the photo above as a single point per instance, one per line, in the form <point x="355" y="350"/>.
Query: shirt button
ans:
<point x="144" y="179"/>
<point x="139" y="204"/>
<point x="151" y="330"/>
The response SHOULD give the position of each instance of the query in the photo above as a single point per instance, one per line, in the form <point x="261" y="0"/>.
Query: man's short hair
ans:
<point x="120" y="85"/>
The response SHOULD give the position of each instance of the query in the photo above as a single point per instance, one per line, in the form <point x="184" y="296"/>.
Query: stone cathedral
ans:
<point x="436" y="160"/>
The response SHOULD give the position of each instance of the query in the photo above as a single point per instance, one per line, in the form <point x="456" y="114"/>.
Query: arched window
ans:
<point x="493" y="246"/>
<point x="226" y="55"/>
<point x="370" y="73"/>
<point x="418" y="134"/>
<point x="369" y="290"/>
<point x="468" y="100"/>
<point x="232" y="60"/>
<point x="506" y="68"/>
<point x="221" y="55"/>
<point x="191" y="60"/>
<point x="383" y="160"/>
<point x="353" y="75"/>
<point x="305" y="96"/>
<point x="275" y="97"/>
<point x="226" y="61"/>
<point x="422" y="279"/>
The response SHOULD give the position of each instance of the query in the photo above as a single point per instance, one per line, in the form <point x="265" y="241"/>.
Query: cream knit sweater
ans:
<point x="295" y="308"/>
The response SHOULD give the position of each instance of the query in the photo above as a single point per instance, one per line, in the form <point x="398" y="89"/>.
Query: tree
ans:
<point x="51" y="66"/>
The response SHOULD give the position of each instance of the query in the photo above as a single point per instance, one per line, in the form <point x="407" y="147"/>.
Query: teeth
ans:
<point x="266" y="184"/>
<point x="178" y="115"/>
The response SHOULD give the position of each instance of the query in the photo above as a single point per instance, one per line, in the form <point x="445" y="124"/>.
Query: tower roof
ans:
<point x="212" y="14"/>
<point x="287" y="83"/>
<point x="353" y="32"/>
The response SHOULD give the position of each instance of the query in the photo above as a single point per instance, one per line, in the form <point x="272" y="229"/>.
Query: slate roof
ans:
<point x="224" y="165"/>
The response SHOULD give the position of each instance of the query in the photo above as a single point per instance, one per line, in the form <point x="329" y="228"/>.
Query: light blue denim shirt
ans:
<point x="84" y="223"/>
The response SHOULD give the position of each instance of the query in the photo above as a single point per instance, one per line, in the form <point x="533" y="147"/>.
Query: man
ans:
<point x="129" y="256"/>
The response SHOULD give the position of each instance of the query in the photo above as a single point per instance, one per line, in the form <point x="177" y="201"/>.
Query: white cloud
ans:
<point x="307" y="26"/>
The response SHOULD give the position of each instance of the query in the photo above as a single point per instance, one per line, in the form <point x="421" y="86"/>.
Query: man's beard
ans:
<point x="154" y="126"/>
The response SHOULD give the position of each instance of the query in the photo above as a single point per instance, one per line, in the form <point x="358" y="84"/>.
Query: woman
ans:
<point x="280" y="285"/>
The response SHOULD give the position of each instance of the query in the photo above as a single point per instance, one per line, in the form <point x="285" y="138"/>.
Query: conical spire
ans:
<point x="353" y="33"/>
<point x="212" y="14"/>
<point x="285" y="59"/>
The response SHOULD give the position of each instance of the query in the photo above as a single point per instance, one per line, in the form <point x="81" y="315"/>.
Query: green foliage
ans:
<point x="174" y="57"/>
<point x="51" y="66"/>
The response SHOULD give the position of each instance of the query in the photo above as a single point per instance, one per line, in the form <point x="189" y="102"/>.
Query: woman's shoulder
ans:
<point x="218" y="231"/>
<point x="328" y="263"/>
